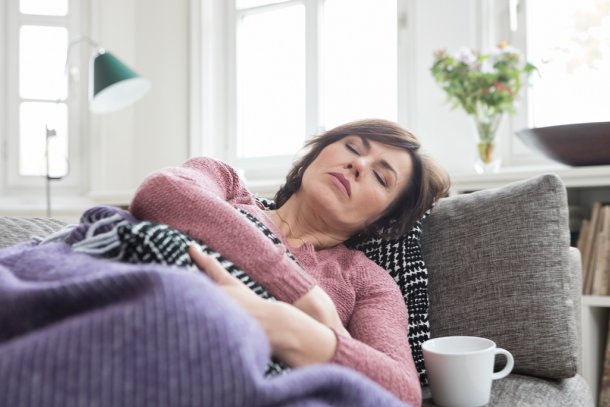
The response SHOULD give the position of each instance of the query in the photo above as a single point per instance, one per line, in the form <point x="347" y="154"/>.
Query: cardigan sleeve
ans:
<point x="379" y="345"/>
<point x="198" y="198"/>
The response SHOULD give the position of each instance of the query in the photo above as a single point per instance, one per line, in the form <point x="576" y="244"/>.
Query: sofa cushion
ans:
<point x="15" y="230"/>
<point x="499" y="267"/>
<point x="524" y="391"/>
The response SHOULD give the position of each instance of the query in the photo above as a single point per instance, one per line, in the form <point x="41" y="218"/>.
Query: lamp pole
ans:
<point x="49" y="133"/>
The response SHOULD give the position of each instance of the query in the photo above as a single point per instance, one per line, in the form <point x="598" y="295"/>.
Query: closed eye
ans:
<point x="352" y="149"/>
<point x="380" y="179"/>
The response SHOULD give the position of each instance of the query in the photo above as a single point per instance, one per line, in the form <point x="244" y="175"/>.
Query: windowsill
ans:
<point x="63" y="207"/>
<point x="571" y="176"/>
<point x="67" y="209"/>
<point x="71" y="207"/>
<point x="265" y="188"/>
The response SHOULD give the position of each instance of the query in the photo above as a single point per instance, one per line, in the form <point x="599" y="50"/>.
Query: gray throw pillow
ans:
<point x="499" y="267"/>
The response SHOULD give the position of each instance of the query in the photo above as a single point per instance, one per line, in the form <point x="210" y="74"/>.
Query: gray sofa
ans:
<point x="500" y="266"/>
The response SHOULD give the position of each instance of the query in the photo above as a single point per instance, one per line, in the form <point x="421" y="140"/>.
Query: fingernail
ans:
<point x="196" y="246"/>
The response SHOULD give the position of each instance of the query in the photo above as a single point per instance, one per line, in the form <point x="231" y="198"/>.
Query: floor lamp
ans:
<point x="112" y="86"/>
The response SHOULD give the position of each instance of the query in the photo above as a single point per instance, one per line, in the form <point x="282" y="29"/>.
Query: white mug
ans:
<point x="460" y="369"/>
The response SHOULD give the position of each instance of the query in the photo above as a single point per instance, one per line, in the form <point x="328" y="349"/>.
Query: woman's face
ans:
<point x="353" y="181"/>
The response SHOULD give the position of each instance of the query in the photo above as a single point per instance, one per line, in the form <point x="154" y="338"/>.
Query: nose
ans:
<point x="356" y="166"/>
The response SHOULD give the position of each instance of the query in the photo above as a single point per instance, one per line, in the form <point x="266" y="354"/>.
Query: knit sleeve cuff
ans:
<point x="289" y="287"/>
<point x="345" y="352"/>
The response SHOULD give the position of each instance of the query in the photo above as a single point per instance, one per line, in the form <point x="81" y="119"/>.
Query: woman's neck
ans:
<point x="300" y="224"/>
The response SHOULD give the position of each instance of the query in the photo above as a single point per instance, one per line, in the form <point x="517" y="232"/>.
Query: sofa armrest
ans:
<point x="576" y="286"/>
<point x="500" y="267"/>
<point x="15" y="230"/>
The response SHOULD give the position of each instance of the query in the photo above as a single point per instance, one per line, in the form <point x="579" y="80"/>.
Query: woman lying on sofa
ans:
<point x="358" y="180"/>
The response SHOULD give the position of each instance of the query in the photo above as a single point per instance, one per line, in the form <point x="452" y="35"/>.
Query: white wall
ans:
<point x="152" y="36"/>
<point x="163" y="117"/>
<point x="2" y="87"/>
<point x="438" y="24"/>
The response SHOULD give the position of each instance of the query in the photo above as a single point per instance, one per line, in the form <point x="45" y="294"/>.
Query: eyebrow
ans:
<point x="384" y="163"/>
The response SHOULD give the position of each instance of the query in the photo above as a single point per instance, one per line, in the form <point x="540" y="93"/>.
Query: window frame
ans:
<point x="210" y="109"/>
<point x="213" y="76"/>
<point x="519" y="153"/>
<point x="265" y="167"/>
<point x="77" y="93"/>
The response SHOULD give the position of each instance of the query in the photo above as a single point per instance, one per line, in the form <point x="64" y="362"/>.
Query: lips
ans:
<point x="343" y="181"/>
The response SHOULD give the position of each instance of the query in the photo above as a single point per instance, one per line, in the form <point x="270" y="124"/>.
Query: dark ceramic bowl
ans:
<point x="572" y="144"/>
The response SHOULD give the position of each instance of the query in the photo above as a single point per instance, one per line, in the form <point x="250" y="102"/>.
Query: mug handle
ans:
<point x="509" y="364"/>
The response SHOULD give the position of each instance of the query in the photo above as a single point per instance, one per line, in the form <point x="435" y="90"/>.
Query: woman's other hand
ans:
<point x="237" y="290"/>
<point x="317" y="304"/>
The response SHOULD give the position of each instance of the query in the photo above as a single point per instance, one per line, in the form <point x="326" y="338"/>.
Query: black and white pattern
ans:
<point x="261" y="226"/>
<point x="146" y="242"/>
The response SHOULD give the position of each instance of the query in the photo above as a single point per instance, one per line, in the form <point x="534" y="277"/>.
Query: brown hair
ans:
<point x="428" y="181"/>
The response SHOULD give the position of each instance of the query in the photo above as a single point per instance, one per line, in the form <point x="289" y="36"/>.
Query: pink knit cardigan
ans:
<point x="199" y="199"/>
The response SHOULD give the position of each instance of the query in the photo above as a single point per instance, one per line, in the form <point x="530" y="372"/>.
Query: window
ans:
<point x="302" y="66"/>
<point x="572" y="51"/>
<point x="359" y="61"/>
<point x="271" y="82"/>
<point x="39" y="95"/>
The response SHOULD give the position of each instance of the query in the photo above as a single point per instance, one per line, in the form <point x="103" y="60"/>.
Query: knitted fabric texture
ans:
<point x="147" y="242"/>
<point x="79" y="330"/>
<point x="402" y="259"/>
<point x="199" y="198"/>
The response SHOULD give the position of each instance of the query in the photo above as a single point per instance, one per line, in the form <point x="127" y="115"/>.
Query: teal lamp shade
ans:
<point x="113" y="85"/>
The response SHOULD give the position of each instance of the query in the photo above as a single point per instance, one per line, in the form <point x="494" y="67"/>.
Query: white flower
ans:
<point x="466" y="55"/>
<point x="487" y="67"/>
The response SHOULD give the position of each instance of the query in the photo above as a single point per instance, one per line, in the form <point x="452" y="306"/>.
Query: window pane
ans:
<point x="42" y="58"/>
<point x="242" y="4"/>
<point x="359" y="73"/>
<point x="44" y="7"/>
<point x="33" y="117"/>
<point x="271" y="83"/>
<point x="572" y="51"/>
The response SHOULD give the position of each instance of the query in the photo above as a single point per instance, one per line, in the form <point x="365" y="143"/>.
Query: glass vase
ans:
<point x="488" y="158"/>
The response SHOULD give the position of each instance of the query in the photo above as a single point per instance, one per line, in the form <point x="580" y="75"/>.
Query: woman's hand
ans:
<point x="317" y="304"/>
<point x="294" y="337"/>
<point x="234" y="288"/>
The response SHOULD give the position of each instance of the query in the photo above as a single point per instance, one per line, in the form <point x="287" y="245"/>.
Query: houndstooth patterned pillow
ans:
<point x="403" y="260"/>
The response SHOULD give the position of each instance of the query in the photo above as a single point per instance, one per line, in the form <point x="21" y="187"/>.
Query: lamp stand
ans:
<point x="48" y="178"/>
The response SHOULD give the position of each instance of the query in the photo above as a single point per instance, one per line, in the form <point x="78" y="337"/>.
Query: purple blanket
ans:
<point x="82" y="331"/>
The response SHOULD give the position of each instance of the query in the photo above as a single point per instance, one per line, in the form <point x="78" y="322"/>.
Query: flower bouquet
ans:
<point x="486" y="86"/>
